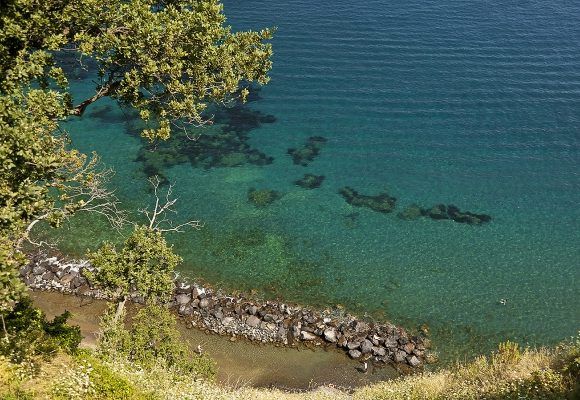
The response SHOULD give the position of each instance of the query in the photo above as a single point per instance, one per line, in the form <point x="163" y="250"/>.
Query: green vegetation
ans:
<point x="509" y="373"/>
<point x="143" y="267"/>
<point x="151" y="341"/>
<point x="166" y="59"/>
<point x="27" y="334"/>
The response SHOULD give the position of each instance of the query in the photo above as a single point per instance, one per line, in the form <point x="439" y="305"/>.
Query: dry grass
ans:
<point x="507" y="374"/>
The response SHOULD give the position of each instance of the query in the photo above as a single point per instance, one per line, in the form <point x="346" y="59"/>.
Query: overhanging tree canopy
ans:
<point x="168" y="59"/>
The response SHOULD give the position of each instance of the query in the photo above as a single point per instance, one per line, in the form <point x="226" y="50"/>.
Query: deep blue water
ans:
<point x="475" y="103"/>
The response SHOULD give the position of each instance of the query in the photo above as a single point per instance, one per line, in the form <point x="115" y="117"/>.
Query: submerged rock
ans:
<point x="310" y="181"/>
<point x="444" y="212"/>
<point x="381" y="203"/>
<point x="263" y="197"/>
<point x="441" y="211"/>
<point x="412" y="212"/>
<point x="307" y="153"/>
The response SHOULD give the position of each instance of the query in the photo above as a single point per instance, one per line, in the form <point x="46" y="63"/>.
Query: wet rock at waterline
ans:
<point x="260" y="321"/>
<point x="382" y="202"/>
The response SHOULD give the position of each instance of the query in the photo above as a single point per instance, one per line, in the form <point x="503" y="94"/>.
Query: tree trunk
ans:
<point x="120" y="308"/>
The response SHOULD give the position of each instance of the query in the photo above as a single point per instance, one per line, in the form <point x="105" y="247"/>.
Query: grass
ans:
<point x="508" y="373"/>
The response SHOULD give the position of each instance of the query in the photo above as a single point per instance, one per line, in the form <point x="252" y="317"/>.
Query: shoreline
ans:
<point x="240" y="363"/>
<point x="238" y="317"/>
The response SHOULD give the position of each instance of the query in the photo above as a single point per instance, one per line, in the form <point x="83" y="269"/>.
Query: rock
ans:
<point x="185" y="310"/>
<point x="253" y="321"/>
<point x="182" y="288"/>
<point x="391" y="343"/>
<point x="84" y="290"/>
<point x="409" y="347"/>
<point x="400" y="356"/>
<point x="67" y="279"/>
<point x="352" y="345"/>
<point x="382" y="202"/>
<point x="48" y="276"/>
<point x="204" y="303"/>
<point x="182" y="299"/>
<point x="307" y="335"/>
<point x="268" y="317"/>
<point x="253" y="310"/>
<point x="410" y="213"/>
<point x="413" y="361"/>
<point x="270" y="326"/>
<point x="24" y="271"/>
<point x="282" y="333"/>
<point x="366" y="346"/>
<point x="38" y="270"/>
<point x="361" y="327"/>
<point x="295" y="331"/>
<point x="310" y="181"/>
<point x="196" y="292"/>
<point x="218" y="314"/>
<point x="379" y="351"/>
<point x="438" y="211"/>
<point x="308" y="152"/>
<point x="227" y="321"/>
<point x="77" y="282"/>
<point x="354" y="353"/>
<point x="330" y="335"/>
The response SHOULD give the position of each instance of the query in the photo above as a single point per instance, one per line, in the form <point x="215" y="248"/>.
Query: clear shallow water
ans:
<point x="471" y="103"/>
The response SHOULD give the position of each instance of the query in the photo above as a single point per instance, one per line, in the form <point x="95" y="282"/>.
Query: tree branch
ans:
<point x="157" y="217"/>
<point x="103" y="91"/>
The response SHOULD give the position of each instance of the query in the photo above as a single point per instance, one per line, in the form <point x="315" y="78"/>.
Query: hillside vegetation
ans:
<point x="508" y="373"/>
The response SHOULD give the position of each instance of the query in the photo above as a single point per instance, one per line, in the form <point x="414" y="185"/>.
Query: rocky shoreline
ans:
<point x="259" y="321"/>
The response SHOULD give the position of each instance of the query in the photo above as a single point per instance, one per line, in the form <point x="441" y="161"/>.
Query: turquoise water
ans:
<point x="471" y="103"/>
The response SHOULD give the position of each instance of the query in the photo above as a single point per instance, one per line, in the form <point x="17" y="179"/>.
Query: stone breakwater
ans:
<point x="241" y="317"/>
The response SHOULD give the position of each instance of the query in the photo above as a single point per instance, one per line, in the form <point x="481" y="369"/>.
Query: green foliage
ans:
<point x="167" y="59"/>
<point x="11" y="288"/>
<point x="144" y="265"/>
<point x="507" y="353"/>
<point x="148" y="344"/>
<point x="29" y="334"/>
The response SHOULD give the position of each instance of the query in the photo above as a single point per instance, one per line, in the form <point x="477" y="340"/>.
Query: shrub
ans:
<point x="147" y="344"/>
<point x="29" y="334"/>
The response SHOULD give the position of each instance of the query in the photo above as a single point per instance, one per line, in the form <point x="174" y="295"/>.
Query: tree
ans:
<point x="143" y="266"/>
<point x="168" y="59"/>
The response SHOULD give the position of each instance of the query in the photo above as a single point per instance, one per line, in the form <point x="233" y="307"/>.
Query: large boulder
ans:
<point x="330" y="335"/>
<point x="304" y="335"/>
<point x="366" y="346"/>
<point x="354" y="353"/>
<point x="253" y="321"/>
<point x="182" y="299"/>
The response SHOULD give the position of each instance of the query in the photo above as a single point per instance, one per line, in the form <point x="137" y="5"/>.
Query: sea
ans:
<point x="474" y="103"/>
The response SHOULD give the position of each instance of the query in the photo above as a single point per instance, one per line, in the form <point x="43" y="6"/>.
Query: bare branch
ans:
<point x="83" y="190"/>
<point x="157" y="217"/>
